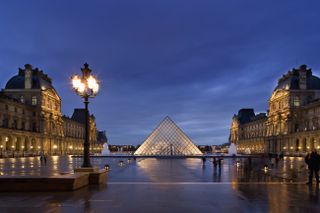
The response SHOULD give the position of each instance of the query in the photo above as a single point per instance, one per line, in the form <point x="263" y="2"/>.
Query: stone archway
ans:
<point x="33" y="145"/>
<point x="1" y="145"/>
<point x="312" y="144"/>
<point x="9" y="141"/>
<point x="19" y="144"/>
<point x="297" y="145"/>
<point x="5" y="142"/>
<point x="304" y="145"/>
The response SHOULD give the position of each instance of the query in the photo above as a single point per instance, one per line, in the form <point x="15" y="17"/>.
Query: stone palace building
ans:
<point x="31" y="121"/>
<point x="292" y="123"/>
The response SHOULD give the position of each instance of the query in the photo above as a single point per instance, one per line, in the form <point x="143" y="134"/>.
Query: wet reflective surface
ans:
<point x="170" y="185"/>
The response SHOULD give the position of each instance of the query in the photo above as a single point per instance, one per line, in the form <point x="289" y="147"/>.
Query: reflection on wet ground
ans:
<point x="170" y="185"/>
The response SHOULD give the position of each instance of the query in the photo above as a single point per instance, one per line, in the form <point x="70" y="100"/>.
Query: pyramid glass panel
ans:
<point x="168" y="140"/>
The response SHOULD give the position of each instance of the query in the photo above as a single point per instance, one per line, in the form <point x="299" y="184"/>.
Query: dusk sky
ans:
<point x="197" y="61"/>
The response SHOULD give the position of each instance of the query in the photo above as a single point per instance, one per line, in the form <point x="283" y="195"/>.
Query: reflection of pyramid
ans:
<point x="167" y="139"/>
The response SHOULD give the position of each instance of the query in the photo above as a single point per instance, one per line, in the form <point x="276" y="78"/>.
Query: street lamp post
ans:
<point x="86" y="87"/>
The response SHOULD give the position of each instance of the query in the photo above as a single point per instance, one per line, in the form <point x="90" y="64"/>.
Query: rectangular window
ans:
<point x="34" y="100"/>
<point x="15" y="124"/>
<point x="34" y="127"/>
<point x="5" y="123"/>
<point x="296" y="101"/>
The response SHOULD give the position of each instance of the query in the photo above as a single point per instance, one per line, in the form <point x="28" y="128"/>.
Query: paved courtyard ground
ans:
<point x="170" y="185"/>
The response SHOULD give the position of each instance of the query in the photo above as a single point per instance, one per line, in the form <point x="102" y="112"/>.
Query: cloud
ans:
<point x="198" y="62"/>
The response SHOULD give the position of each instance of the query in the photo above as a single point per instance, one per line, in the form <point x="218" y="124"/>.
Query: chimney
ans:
<point x="28" y="76"/>
<point x="303" y="77"/>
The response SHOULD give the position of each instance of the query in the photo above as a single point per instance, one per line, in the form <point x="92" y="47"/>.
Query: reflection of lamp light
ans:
<point x="291" y="147"/>
<point x="284" y="147"/>
<point x="1" y="146"/>
<point x="265" y="168"/>
<point x="6" y="139"/>
<point x="12" y="147"/>
<point x="55" y="146"/>
<point x="299" y="147"/>
<point x="22" y="147"/>
<point x="39" y="147"/>
<point x="238" y="163"/>
<point x="308" y="147"/>
<point x="318" y="147"/>
<point x="70" y="147"/>
<point x="31" y="147"/>
<point x="107" y="167"/>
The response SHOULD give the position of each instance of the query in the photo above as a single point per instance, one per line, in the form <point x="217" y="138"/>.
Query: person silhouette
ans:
<point x="313" y="162"/>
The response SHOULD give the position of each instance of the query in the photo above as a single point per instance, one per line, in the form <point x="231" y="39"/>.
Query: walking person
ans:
<point x="41" y="159"/>
<point x="45" y="159"/>
<point x="313" y="162"/>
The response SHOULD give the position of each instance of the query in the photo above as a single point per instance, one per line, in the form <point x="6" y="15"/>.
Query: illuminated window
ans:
<point x="296" y="101"/>
<point x="34" y="100"/>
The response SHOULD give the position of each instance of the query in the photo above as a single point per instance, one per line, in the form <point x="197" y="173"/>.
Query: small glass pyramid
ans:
<point x="168" y="140"/>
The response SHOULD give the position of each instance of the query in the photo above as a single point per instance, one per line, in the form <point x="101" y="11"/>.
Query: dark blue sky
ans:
<point x="196" y="61"/>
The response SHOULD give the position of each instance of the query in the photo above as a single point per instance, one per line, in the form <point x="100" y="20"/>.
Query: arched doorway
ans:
<point x="312" y="143"/>
<point x="297" y="145"/>
<point x="304" y="145"/>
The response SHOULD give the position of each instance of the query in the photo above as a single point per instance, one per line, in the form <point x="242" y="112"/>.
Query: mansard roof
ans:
<point x="39" y="79"/>
<point x="291" y="79"/>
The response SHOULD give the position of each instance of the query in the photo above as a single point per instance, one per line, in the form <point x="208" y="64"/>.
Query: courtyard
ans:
<point x="169" y="185"/>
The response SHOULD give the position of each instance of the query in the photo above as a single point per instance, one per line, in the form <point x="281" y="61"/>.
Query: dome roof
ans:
<point x="292" y="78"/>
<point x="17" y="82"/>
<point x="39" y="80"/>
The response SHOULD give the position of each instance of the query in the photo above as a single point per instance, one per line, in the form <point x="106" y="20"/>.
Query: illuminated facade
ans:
<point x="31" y="121"/>
<point x="168" y="140"/>
<point x="292" y="124"/>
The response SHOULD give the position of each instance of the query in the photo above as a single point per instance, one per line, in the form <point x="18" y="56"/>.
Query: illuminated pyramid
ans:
<point x="168" y="140"/>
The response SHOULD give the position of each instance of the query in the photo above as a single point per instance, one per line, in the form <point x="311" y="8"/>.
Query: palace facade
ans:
<point x="31" y="121"/>
<point x="292" y="123"/>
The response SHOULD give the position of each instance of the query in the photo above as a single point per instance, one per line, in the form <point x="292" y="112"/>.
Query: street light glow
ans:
<point x="76" y="81"/>
<point x="92" y="82"/>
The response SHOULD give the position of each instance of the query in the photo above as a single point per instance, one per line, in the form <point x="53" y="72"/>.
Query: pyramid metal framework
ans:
<point x="168" y="140"/>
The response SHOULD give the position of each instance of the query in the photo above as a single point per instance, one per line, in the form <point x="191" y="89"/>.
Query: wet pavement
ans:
<point x="170" y="185"/>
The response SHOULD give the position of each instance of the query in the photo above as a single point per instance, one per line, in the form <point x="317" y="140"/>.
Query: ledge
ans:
<point x="96" y="176"/>
<point x="68" y="182"/>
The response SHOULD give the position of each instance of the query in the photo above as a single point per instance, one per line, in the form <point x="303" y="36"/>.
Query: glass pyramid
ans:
<point x="168" y="140"/>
